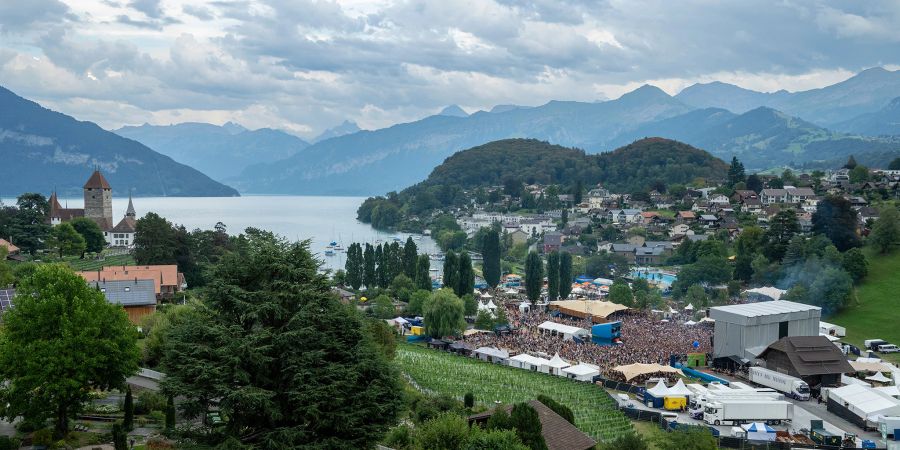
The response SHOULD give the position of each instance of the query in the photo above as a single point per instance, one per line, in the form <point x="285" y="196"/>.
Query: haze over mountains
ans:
<point x="724" y="119"/>
<point x="812" y="128"/>
<point x="43" y="150"/>
<point x="218" y="151"/>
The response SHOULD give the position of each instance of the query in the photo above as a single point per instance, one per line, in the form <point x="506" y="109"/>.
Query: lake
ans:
<point x="319" y="219"/>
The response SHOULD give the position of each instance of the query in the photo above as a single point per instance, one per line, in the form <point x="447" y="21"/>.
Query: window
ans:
<point x="782" y="329"/>
<point x="127" y="289"/>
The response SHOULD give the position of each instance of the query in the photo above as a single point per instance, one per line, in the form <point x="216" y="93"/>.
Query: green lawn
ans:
<point x="595" y="412"/>
<point x="877" y="312"/>
<point x="95" y="264"/>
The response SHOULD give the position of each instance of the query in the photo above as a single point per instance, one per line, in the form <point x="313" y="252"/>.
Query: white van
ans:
<point x="888" y="348"/>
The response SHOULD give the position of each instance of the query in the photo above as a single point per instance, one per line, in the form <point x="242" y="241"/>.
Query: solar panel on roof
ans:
<point x="6" y="296"/>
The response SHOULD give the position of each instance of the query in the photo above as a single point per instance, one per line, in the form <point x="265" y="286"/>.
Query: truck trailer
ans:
<point x="735" y="412"/>
<point x="791" y="386"/>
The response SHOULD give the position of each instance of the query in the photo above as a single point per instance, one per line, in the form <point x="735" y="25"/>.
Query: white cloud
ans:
<point x="305" y="65"/>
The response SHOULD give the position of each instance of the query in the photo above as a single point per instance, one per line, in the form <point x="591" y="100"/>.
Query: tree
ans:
<point x="66" y="240"/>
<point x="886" y="231"/>
<point x="688" y="438"/>
<point x="534" y="276"/>
<point x="781" y="230"/>
<point x="402" y="287"/>
<point x="895" y="164"/>
<point x="851" y="163"/>
<point x="708" y="270"/>
<point x="355" y="265"/>
<point x="525" y="420"/>
<point x="558" y="408"/>
<point x="417" y="301"/>
<point x="445" y="432"/>
<point x="484" y="321"/>
<point x="381" y="268"/>
<point x="754" y="183"/>
<point x="119" y="437"/>
<point x="735" y="172"/>
<point x="93" y="236"/>
<point x="423" y="273"/>
<point x="490" y="252"/>
<point x="831" y="290"/>
<point x="154" y="240"/>
<point x="470" y="305"/>
<point x="60" y="318"/>
<point x="607" y="265"/>
<point x="170" y="413"/>
<point x="466" y="278"/>
<point x="578" y="192"/>
<point x="469" y="400"/>
<point x="273" y="347"/>
<point x="383" y="307"/>
<point x="836" y="219"/>
<point x="743" y="267"/>
<point x="565" y="275"/>
<point x="859" y="174"/>
<point x="369" y="267"/>
<point x="444" y="314"/>
<point x="553" y="276"/>
<point x="31" y="226"/>
<point x="451" y="271"/>
<point x="854" y="262"/>
<point x="410" y="255"/>
<point x="128" y="421"/>
<point x="620" y="293"/>
<point x="384" y="337"/>
<point x="6" y="273"/>
<point x="629" y="441"/>
<point x="697" y="297"/>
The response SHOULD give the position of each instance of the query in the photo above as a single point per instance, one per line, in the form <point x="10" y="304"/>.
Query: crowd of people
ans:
<point x="645" y="339"/>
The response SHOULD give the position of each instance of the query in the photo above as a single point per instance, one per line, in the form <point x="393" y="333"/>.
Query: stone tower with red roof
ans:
<point x="98" y="201"/>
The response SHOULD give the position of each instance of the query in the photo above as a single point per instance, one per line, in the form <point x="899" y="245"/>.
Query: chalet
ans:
<point x="646" y="256"/>
<point x="867" y="213"/>
<point x="624" y="216"/>
<point x="137" y="296"/>
<point x="167" y="280"/>
<point x="751" y="204"/>
<point x="709" y="221"/>
<point x="798" y="195"/>
<point x="719" y="199"/>
<point x="680" y="230"/>
<point x="624" y="250"/>
<point x="552" y="241"/>
<point x="685" y="217"/>
<point x="741" y="195"/>
<point x="812" y="358"/>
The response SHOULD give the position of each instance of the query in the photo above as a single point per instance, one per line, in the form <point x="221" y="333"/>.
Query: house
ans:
<point x="137" y="296"/>
<point x="122" y="235"/>
<point x="532" y="227"/>
<point x="558" y="433"/>
<point x="624" y="250"/>
<point x="685" y="217"/>
<point x="552" y="241"/>
<point x="709" y="221"/>
<point x="10" y="248"/>
<point x="167" y="280"/>
<point x="772" y="196"/>
<point x="742" y="195"/>
<point x="812" y="358"/>
<point x="519" y="237"/>
<point x="647" y="256"/>
<point x="680" y="230"/>
<point x="752" y="205"/>
<point x="867" y="213"/>
<point x="798" y="195"/>
<point x="719" y="199"/>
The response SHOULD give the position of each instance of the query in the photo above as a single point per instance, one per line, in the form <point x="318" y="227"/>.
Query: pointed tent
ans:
<point x="690" y="323"/>
<point x="655" y="396"/>
<point x="689" y="307"/>
<point x="758" y="431"/>
<point x="679" y="389"/>
<point x="490" y="305"/>
<point x="558" y="362"/>
<point x="879" y="378"/>
<point x="486" y="295"/>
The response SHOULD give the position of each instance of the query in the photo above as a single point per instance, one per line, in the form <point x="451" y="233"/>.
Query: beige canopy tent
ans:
<point x="631" y="371"/>
<point x="598" y="310"/>
<point x="870" y="366"/>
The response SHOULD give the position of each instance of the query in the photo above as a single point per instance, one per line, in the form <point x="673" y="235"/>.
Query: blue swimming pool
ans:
<point x="664" y="278"/>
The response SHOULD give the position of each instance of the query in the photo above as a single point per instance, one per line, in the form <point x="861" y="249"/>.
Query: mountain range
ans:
<point x="763" y="129"/>
<point x="43" y="150"/>
<point x="218" y="151"/>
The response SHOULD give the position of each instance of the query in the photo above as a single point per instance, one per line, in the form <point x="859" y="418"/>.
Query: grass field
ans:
<point x="595" y="412"/>
<point x="95" y="264"/>
<point x="877" y="312"/>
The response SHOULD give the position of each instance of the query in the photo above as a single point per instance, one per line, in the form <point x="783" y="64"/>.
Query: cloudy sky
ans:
<point x="304" y="65"/>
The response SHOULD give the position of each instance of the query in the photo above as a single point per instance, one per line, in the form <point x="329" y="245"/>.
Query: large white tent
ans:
<point x="566" y="331"/>
<point x="581" y="372"/>
<point x="863" y="402"/>
<point x="679" y="389"/>
<point x="527" y="362"/>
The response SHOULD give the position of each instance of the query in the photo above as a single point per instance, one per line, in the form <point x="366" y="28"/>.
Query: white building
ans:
<point x="746" y="330"/>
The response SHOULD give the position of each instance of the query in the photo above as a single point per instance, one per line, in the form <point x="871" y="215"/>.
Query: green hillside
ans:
<point x="877" y="314"/>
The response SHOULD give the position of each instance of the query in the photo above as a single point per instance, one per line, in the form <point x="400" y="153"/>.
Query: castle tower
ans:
<point x="98" y="201"/>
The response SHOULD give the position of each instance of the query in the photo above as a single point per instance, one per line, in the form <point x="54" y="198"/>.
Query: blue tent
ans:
<point x="584" y="279"/>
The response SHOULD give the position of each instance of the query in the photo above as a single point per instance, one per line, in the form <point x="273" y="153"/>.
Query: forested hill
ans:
<point x="634" y="167"/>
<point x="644" y="165"/>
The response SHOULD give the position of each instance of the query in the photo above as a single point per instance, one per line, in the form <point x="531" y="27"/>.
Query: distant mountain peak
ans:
<point x="346" y="127"/>
<point x="645" y="93"/>
<point x="504" y="108"/>
<point x="233" y="128"/>
<point x="453" y="111"/>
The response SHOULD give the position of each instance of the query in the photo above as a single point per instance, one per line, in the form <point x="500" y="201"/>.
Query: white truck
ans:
<point x="738" y="411"/>
<point x="699" y="401"/>
<point x="791" y="386"/>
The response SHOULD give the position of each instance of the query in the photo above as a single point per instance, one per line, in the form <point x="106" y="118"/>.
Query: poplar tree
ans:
<point x="553" y="276"/>
<point x="410" y="253"/>
<point x="451" y="271"/>
<point x="423" y="273"/>
<point x="490" y="253"/>
<point x="565" y="275"/>
<point x="534" y="276"/>
<point x="369" y="267"/>
<point x="465" y="283"/>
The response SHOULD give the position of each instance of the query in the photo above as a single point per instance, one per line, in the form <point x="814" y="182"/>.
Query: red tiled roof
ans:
<point x="96" y="181"/>
<point x="10" y="248"/>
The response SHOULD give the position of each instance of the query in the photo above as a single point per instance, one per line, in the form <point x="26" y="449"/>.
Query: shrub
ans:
<point x="43" y="437"/>
<point x="149" y="401"/>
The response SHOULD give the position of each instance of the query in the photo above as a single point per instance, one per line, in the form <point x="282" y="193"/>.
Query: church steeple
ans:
<point x="130" y="211"/>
